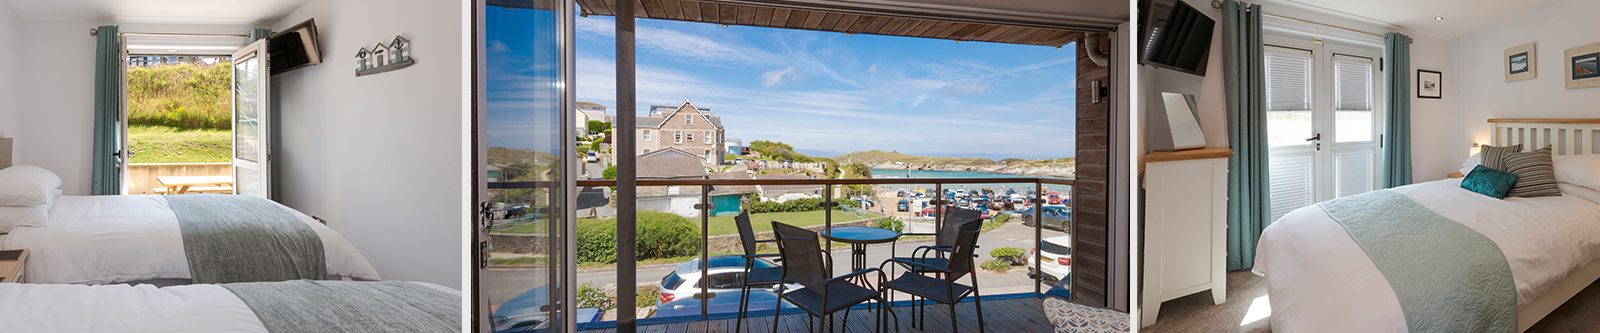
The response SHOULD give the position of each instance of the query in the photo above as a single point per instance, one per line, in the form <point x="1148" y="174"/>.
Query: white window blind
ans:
<point x="1289" y="181"/>
<point x="1352" y="79"/>
<point x="1288" y="79"/>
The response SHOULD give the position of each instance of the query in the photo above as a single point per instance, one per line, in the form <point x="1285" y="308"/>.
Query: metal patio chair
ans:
<point x="943" y="289"/>
<point x="753" y="276"/>
<point x="804" y="262"/>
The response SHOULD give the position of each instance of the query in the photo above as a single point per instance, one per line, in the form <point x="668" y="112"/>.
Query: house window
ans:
<point x="647" y="135"/>
<point x="689" y="136"/>
<point x="688" y="121"/>
<point x="709" y="137"/>
<point x="677" y="136"/>
<point x="646" y="151"/>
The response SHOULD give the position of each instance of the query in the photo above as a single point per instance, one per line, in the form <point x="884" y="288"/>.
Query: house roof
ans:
<point x="671" y="163"/>
<point x="657" y="121"/>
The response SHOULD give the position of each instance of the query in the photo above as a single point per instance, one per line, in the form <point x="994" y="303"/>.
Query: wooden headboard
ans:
<point x="5" y="153"/>
<point x="1565" y="136"/>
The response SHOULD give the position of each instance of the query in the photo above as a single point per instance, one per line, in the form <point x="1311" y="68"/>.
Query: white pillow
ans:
<point x="1581" y="170"/>
<point x="27" y="186"/>
<point x="35" y="216"/>
<point x="1472" y="162"/>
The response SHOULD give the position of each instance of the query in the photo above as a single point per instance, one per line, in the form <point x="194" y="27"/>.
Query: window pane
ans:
<point x="1288" y="97"/>
<point x="1353" y="99"/>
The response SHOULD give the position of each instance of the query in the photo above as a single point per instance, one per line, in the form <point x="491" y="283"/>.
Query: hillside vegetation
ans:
<point x="184" y="96"/>
<point x="872" y="157"/>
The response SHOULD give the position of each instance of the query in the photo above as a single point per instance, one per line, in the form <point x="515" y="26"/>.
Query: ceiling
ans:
<point x="213" y="12"/>
<point x="1417" y="16"/>
<point x="826" y="20"/>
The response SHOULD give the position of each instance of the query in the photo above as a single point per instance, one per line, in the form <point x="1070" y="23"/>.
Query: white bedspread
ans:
<point x="1319" y="280"/>
<point x="115" y="239"/>
<point x="124" y="308"/>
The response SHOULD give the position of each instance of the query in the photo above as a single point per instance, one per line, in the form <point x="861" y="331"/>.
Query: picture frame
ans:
<point x="1582" y="67"/>
<point x="1430" y="84"/>
<point x="1522" y="62"/>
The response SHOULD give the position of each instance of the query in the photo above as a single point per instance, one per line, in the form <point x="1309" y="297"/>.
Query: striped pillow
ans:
<point x="1493" y="157"/>
<point x="1536" y="175"/>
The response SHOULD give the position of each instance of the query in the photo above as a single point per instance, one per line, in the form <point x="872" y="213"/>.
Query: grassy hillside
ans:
<point x="162" y="144"/>
<point x="878" y="156"/>
<point x="187" y="96"/>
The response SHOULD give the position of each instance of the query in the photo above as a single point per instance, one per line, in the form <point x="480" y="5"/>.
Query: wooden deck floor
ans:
<point x="1013" y="315"/>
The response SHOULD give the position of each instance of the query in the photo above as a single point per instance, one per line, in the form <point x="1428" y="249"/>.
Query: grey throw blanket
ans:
<point x="350" y="306"/>
<point x="1448" y="277"/>
<point x="234" y="238"/>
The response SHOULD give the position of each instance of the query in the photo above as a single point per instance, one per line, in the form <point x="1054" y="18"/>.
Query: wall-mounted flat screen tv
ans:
<point x="1176" y="36"/>
<point x="294" y="48"/>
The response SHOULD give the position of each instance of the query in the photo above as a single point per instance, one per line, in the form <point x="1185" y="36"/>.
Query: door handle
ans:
<point x="1317" y="137"/>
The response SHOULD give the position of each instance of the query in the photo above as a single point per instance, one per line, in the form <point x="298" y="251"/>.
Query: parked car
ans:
<point x="1055" y="217"/>
<point x="1055" y="255"/>
<point x="592" y="157"/>
<point x="526" y="313"/>
<point x="726" y="271"/>
<point x="1053" y="198"/>
<point x="903" y="206"/>
<point x="761" y="302"/>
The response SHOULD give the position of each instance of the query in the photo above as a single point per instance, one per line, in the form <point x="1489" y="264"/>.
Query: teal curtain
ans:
<point x="258" y="34"/>
<point x="106" y="177"/>
<point x="1244" y="79"/>
<point x="1397" y="141"/>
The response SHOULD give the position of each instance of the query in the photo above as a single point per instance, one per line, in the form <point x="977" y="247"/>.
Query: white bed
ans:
<point x="125" y="308"/>
<point x="135" y="238"/>
<point x="1319" y="280"/>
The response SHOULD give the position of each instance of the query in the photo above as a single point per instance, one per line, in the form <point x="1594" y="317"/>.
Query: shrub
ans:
<point x="660" y="235"/>
<point x="1011" y="255"/>
<point x="889" y="223"/>
<point x="591" y="297"/>
<point x="796" y="205"/>
<point x="647" y="296"/>
<point x="997" y="266"/>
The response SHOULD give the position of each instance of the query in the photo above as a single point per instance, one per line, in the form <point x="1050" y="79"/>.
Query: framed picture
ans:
<point x="1430" y="84"/>
<point x="1583" y="67"/>
<point x="1520" y="63"/>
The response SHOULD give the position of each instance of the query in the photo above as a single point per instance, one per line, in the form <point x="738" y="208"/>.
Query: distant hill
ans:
<point x="873" y="157"/>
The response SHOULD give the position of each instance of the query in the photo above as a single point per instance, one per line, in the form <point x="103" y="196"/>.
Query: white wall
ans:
<point x="10" y="75"/>
<point x="379" y="156"/>
<point x="1433" y="120"/>
<point x="1480" y="91"/>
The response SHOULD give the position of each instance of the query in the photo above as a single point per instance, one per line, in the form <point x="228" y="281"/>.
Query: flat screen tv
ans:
<point x="294" y="48"/>
<point x="1176" y="36"/>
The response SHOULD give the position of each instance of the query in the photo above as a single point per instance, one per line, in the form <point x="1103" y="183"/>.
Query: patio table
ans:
<point x="182" y="184"/>
<point x="859" y="238"/>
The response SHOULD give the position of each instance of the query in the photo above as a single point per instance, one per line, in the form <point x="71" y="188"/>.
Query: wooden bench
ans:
<point x="198" y="189"/>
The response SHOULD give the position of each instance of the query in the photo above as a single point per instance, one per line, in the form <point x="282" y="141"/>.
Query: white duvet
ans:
<point x="117" y="239"/>
<point x="1319" y="280"/>
<point x="125" y="308"/>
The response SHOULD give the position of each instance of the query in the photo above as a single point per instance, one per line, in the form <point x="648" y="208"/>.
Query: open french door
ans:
<point x="251" y="125"/>
<point x="1323" y="121"/>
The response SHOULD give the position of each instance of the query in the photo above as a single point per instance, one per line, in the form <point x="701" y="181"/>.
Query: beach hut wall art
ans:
<point x="384" y="57"/>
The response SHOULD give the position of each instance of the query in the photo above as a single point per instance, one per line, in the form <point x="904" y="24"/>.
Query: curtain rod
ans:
<point x="96" y="31"/>
<point x="1217" y="4"/>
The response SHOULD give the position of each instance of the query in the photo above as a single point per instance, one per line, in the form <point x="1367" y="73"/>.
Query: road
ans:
<point x="500" y="284"/>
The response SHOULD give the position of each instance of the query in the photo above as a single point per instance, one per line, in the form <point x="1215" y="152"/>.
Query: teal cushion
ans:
<point x="1490" y="182"/>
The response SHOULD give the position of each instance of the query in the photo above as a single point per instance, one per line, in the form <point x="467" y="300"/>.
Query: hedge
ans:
<point x="1011" y="255"/>
<point x="660" y="235"/>
<point x="796" y="205"/>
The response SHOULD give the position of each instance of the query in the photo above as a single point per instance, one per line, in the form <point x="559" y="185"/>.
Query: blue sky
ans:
<point x="825" y="92"/>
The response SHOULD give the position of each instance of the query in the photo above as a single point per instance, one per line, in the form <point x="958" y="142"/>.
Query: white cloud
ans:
<point x="773" y="78"/>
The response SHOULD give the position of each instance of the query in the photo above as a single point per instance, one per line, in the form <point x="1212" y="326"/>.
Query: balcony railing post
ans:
<point x="938" y="207"/>
<point x="827" y="215"/>
<point x="705" y="248"/>
<point x="1038" y="236"/>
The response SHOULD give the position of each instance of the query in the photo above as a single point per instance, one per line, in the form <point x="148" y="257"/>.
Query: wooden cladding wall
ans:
<point x="808" y="19"/>
<point x="1090" y="224"/>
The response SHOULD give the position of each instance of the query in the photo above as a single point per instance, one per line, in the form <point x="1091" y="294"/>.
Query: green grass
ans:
<point x="723" y="225"/>
<point x="163" y="144"/>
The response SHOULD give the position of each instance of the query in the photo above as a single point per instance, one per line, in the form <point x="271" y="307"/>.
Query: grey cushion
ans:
<point x="1536" y="176"/>
<point x="1494" y="157"/>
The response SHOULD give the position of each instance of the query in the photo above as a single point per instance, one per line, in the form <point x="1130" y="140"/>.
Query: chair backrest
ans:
<point x="954" y="218"/>
<point x="965" y="244"/>
<point x="747" y="234"/>
<point x="802" y="257"/>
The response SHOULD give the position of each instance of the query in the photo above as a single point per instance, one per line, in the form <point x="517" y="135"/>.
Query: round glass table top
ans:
<point x="860" y="235"/>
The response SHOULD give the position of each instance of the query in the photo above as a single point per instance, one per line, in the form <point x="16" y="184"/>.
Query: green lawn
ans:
<point x="162" y="144"/>
<point x="723" y="225"/>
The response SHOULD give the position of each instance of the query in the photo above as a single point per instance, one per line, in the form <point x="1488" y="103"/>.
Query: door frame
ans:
<point x="124" y="154"/>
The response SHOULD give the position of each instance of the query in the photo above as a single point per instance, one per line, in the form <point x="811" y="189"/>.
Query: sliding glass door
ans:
<point x="1323" y="117"/>
<point x="524" y="170"/>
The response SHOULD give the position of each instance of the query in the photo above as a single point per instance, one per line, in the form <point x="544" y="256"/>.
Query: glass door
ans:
<point x="524" y="167"/>
<point x="1323" y="119"/>
<point x="251" y="161"/>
